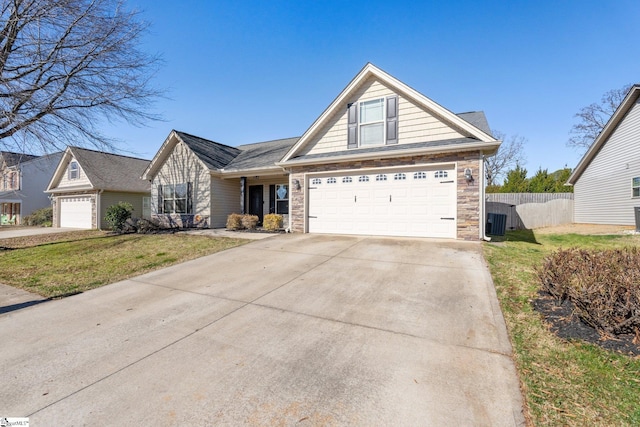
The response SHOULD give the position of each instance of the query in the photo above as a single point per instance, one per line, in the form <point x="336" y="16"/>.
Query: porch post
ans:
<point x="243" y="185"/>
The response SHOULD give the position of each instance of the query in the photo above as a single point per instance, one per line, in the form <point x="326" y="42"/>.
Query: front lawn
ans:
<point x="569" y="383"/>
<point x="56" y="265"/>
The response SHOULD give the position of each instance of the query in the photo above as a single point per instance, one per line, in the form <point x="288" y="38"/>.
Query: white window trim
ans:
<point x="633" y="187"/>
<point x="76" y="170"/>
<point x="383" y="121"/>
<point x="285" y="199"/>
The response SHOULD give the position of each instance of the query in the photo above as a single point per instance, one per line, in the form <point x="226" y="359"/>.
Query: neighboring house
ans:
<point x="87" y="182"/>
<point x="382" y="159"/>
<point x="607" y="179"/>
<point x="23" y="179"/>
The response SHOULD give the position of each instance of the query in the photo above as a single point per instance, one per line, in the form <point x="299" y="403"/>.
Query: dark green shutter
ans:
<point x="160" y="200"/>
<point x="392" y="120"/>
<point x="272" y="198"/>
<point x="352" y="125"/>
<point x="189" y="197"/>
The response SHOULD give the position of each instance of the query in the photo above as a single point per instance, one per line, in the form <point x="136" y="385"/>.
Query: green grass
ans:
<point x="58" y="265"/>
<point x="564" y="383"/>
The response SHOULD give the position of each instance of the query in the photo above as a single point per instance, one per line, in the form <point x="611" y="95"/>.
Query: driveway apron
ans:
<point x="290" y="330"/>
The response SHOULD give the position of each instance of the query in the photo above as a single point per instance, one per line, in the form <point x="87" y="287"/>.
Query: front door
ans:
<point x="256" y="201"/>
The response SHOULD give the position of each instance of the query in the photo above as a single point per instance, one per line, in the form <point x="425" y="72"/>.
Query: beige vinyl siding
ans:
<point x="414" y="123"/>
<point x="82" y="179"/>
<point x="109" y="198"/>
<point x="180" y="167"/>
<point x="602" y="194"/>
<point x="225" y="200"/>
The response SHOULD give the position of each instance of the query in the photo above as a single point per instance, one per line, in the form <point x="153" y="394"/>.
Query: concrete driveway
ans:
<point x="289" y="330"/>
<point x="10" y="232"/>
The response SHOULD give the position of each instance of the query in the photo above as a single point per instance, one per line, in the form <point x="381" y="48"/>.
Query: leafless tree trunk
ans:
<point x="66" y="66"/>
<point x="509" y="155"/>
<point x="594" y="117"/>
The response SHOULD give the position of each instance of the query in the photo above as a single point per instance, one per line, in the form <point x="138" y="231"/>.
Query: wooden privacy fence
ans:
<point x="532" y="210"/>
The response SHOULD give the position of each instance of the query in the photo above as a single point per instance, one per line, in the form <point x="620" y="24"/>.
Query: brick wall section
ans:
<point x="468" y="194"/>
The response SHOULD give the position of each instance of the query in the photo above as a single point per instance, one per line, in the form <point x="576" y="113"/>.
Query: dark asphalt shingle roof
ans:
<point x="112" y="172"/>
<point x="261" y="155"/>
<point x="213" y="154"/>
<point x="476" y="118"/>
<point x="12" y="159"/>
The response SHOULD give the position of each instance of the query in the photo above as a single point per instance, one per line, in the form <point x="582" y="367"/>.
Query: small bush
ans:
<point x="272" y="222"/>
<point x="250" y="222"/>
<point x="117" y="216"/>
<point x="41" y="217"/>
<point x="604" y="286"/>
<point x="234" y="222"/>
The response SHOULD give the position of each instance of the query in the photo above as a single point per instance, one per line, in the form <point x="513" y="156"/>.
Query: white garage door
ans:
<point x="75" y="212"/>
<point x="412" y="202"/>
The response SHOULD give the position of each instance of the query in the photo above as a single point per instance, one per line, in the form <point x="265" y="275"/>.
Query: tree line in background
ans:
<point x="516" y="181"/>
<point x="505" y="164"/>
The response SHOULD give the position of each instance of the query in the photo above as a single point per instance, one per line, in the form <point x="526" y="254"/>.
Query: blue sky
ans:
<point x="247" y="71"/>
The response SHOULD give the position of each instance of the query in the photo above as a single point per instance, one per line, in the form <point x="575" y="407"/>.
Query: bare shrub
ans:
<point x="604" y="286"/>
<point x="250" y="222"/>
<point x="272" y="222"/>
<point x="234" y="222"/>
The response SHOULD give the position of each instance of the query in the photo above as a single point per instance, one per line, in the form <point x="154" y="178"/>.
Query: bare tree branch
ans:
<point x="594" y="117"/>
<point x="509" y="155"/>
<point x="67" y="65"/>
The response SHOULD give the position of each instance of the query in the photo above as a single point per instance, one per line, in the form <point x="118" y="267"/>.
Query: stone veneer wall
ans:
<point x="94" y="206"/>
<point x="468" y="211"/>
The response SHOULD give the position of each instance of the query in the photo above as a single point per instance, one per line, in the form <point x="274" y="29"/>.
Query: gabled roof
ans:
<point x="105" y="171"/>
<point x="213" y="155"/>
<point x="627" y="103"/>
<point x="463" y="126"/>
<point x="12" y="159"/>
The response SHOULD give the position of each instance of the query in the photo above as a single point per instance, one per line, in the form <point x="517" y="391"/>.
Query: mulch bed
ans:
<point x="567" y="325"/>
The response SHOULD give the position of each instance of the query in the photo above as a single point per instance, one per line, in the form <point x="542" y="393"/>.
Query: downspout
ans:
<point x="483" y="203"/>
<point x="98" y="216"/>
<point x="290" y="200"/>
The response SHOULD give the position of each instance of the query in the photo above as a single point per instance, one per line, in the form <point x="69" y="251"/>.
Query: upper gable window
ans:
<point x="372" y="122"/>
<point x="635" y="187"/>
<point x="74" y="170"/>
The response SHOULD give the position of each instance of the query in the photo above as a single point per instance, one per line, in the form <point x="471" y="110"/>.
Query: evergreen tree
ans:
<point x="516" y="181"/>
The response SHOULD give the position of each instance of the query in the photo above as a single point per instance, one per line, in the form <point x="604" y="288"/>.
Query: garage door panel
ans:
<point x="76" y="212"/>
<point x="407" y="203"/>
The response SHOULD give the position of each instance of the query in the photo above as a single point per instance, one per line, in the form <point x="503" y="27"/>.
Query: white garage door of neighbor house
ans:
<point x="75" y="212"/>
<point x="412" y="202"/>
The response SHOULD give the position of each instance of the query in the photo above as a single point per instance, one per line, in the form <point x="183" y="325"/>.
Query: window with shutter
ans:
<point x="372" y="122"/>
